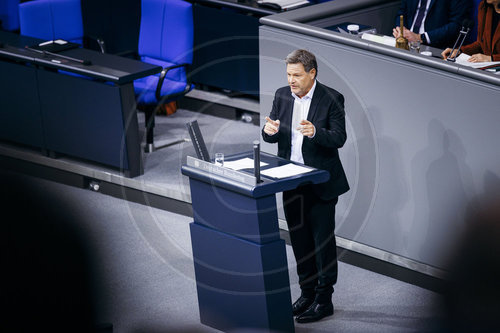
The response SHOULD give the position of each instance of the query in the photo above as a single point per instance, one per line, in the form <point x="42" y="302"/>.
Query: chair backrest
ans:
<point x="473" y="33"/>
<point x="166" y="31"/>
<point x="52" y="19"/>
<point x="9" y="15"/>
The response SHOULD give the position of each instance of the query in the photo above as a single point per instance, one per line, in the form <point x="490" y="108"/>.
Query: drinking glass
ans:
<point x="414" y="46"/>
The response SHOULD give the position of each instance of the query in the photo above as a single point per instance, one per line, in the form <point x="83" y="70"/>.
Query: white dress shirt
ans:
<point x="300" y="111"/>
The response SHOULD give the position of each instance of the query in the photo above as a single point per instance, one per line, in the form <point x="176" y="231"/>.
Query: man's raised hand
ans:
<point x="272" y="126"/>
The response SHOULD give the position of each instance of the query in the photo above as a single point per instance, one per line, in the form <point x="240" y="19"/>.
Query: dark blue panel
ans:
<point x="20" y="119"/>
<point x="234" y="213"/>
<point x="241" y="284"/>
<point x="83" y="118"/>
<point x="226" y="49"/>
<point x="277" y="282"/>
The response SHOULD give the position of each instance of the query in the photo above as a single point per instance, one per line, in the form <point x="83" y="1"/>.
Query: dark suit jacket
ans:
<point x="484" y="43"/>
<point x="443" y="21"/>
<point x="328" y="116"/>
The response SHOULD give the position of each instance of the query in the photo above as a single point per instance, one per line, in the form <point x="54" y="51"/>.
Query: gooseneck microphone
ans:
<point x="256" y="161"/>
<point x="466" y="26"/>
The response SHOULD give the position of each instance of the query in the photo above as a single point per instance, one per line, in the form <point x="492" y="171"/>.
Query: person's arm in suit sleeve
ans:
<point x="472" y="48"/>
<point x="459" y="10"/>
<point x="335" y="135"/>
<point x="274" y="116"/>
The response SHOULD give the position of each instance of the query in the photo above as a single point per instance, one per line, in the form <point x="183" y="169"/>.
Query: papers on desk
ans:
<point x="286" y="170"/>
<point x="244" y="163"/>
<point x="57" y="41"/>
<point x="283" y="171"/>
<point x="54" y="46"/>
<point x="286" y="4"/>
<point x="463" y="58"/>
<point x="386" y="40"/>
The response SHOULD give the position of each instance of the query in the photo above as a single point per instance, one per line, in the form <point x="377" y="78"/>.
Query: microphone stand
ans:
<point x="461" y="38"/>
<point x="256" y="161"/>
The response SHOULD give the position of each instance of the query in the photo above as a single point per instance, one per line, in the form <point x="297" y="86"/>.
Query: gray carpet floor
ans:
<point x="221" y="135"/>
<point x="146" y="275"/>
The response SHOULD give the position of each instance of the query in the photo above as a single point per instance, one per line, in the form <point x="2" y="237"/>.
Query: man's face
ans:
<point x="299" y="80"/>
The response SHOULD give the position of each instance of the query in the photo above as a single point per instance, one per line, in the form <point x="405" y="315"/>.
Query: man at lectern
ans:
<point x="307" y="121"/>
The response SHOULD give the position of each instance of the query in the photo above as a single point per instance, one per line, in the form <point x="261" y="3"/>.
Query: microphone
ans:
<point x="256" y="161"/>
<point x="466" y="26"/>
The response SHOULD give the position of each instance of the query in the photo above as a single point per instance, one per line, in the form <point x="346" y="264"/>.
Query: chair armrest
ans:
<point x="163" y="74"/>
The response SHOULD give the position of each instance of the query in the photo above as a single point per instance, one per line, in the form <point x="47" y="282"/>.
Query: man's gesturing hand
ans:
<point x="306" y="128"/>
<point x="272" y="127"/>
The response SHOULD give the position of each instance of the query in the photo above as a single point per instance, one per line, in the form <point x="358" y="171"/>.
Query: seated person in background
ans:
<point x="487" y="45"/>
<point x="433" y="22"/>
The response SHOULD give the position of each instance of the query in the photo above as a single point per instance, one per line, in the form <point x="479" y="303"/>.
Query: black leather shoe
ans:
<point x="315" y="312"/>
<point x="301" y="305"/>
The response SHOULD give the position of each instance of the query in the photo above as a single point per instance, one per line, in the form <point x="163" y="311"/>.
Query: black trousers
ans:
<point x="311" y="224"/>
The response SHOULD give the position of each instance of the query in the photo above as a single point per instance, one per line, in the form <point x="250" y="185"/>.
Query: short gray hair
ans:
<point x="304" y="57"/>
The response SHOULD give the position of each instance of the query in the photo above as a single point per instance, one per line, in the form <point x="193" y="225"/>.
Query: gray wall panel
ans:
<point x="421" y="142"/>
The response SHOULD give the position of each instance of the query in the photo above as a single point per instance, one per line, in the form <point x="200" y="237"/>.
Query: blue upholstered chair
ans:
<point x="165" y="39"/>
<point x="54" y="19"/>
<point x="9" y="15"/>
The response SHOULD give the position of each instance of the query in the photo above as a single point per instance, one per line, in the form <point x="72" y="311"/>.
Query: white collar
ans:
<point x="309" y="94"/>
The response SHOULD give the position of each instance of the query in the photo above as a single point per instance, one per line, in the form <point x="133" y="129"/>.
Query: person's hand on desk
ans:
<point x="272" y="127"/>
<point x="479" y="57"/>
<point x="446" y="53"/>
<point x="411" y="36"/>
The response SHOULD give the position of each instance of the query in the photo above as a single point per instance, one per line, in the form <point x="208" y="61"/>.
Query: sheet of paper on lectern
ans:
<point x="463" y="59"/>
<point x="286" y="170"/>
<point x="244" y="163"/>
<point x="386" y="40"/>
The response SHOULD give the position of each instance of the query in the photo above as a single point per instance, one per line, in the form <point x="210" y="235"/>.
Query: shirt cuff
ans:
<point x="427" y="39"/>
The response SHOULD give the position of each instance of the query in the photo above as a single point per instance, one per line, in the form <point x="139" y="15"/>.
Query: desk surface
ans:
<point x="268" y="186"/>
<point x="106" y="67"/>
